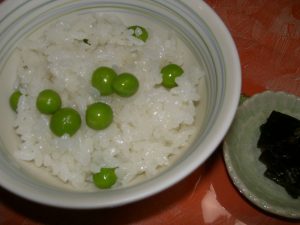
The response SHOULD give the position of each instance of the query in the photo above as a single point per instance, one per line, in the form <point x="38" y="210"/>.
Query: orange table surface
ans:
<point x="267" y="35"/>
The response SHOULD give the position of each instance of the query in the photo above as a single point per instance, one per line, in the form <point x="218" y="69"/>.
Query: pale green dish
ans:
<point x="241" y="154"/>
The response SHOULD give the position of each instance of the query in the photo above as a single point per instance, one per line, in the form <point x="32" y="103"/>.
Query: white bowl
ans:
<point x="242" y="155"/>
<point x="203" y="32"/>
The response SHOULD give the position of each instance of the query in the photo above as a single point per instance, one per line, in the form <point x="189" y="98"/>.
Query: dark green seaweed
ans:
<point x="279" y="143"/>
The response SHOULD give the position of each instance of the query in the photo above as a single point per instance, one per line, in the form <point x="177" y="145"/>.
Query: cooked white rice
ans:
<point x="149" y="129"/>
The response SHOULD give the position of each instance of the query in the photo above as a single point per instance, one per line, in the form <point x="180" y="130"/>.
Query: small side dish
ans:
<point x="249" y="141"/>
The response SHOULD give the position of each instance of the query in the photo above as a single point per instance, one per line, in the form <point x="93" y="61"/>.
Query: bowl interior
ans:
<point x="200" y="30"/>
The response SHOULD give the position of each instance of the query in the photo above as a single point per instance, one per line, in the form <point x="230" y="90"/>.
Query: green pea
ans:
<point x="99" y="116"/>
<point x="139" y="32"/>
<point x="102" y="79"/>
<point x="169" y="74"/>
<point x="14" y="100"/>
<point x="105" y="178"/>
<point x="48" y="101"/>
<point x="125" y="84"/>
<point x="65" y="121"/>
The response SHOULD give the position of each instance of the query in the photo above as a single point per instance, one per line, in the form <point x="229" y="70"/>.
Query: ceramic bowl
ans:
<point x="242" y="155"/>
<point x="200" y="28"/>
